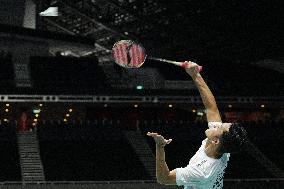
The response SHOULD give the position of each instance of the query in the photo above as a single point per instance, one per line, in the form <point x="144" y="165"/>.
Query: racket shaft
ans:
<point x="172" y="62"/>
<point x="167" y="61"/>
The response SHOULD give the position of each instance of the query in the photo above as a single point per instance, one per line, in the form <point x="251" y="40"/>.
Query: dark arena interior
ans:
<point x="70" y="117"/>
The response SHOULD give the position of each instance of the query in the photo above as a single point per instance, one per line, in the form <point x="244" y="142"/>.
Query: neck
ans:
<point x="211" y="150"/>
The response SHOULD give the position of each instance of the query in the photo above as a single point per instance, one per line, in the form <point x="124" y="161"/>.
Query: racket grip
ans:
<point x="199" y="68"/>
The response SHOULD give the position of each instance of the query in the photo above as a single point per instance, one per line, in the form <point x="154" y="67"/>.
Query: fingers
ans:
<point x="190" y="64"/>
<point x="169" y="141"/>
<point x="152" y="134"/>
<point x="156" y="135"/>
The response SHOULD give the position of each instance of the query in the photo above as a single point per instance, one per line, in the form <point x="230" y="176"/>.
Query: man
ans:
<point x="206" y="168"/>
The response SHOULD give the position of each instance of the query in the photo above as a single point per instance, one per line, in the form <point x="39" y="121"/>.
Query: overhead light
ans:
<point x="67" y="115"/>
<point x="135" y="105"/>
<point x="36" y="111"/>
<point x="51" y="11"/>
<point x="65" y="120"/>
<point x="40" y="105"/>
<point x="200" y="113"/>
<point x="193" y="110"/>
<point x="262" y="105"/>
<point x="70" y="110"/>
<point x="7" y="105"/>
<point x="170" y="106"/>
<point x="230" y="106"/>
<point x="6" y="110"/>
<point x="139" y="87"/>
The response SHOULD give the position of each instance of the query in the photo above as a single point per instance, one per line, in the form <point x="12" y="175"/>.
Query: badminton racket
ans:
<point x="130" y="54"/>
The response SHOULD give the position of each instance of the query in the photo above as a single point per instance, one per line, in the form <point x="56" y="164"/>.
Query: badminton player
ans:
<point x="206" y="168"/>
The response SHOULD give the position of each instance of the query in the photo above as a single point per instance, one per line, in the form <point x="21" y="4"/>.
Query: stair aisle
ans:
<point x="143" y="151"/>
<point x="31" y="165"/>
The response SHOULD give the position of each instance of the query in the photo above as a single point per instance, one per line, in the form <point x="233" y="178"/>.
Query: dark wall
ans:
<point x="12" y="12"/>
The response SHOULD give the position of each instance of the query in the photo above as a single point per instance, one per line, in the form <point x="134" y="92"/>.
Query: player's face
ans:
<point x="216" y="132"/>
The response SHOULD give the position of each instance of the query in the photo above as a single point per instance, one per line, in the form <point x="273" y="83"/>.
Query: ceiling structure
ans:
<point x="213" y="33"/>
<point x="210" y="30"/>
<point x="106" y="21"/>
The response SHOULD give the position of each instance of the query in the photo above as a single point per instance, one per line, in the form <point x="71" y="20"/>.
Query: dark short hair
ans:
<point x="233" y="140"/>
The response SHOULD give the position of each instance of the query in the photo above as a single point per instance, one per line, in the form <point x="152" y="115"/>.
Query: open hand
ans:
<point x="159" y="139"/>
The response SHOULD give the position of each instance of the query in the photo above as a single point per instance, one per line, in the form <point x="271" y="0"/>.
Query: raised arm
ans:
<point x="164" y="176"/>
<point x="208" y="99"/>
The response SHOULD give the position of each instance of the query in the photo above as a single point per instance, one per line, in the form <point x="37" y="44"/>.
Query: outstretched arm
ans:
<point x="164" y="176"/>
<point x="208" y="99"/>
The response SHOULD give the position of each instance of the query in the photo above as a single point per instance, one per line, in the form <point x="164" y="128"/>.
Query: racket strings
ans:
<point x="129" y="54"/>
<point x="129" y="58"/>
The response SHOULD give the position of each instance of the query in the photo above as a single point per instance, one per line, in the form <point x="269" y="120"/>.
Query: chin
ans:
<point x="206" y="132"/>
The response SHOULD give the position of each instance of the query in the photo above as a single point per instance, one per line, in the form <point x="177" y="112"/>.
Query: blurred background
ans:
<point x="70" y="117"/>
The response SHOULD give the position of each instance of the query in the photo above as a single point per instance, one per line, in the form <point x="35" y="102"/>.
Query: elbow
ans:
<point x="162" y="181"/>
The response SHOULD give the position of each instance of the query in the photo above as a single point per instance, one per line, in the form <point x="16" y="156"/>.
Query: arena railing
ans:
<point x="260" y="183"/>
<point x="141" y="99"/>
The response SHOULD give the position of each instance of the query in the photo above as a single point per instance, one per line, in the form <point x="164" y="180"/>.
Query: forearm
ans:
<point x="162" y="170"/>
<point x="205" y="93"/>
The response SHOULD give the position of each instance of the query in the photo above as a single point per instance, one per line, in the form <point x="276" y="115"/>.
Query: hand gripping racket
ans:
<point x="129" y="54"/>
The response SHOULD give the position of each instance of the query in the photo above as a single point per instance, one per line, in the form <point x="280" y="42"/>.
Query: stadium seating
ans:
<point x="9" y="161"/>
<point x="97" y="150"/>
<point x="87" y="153"/>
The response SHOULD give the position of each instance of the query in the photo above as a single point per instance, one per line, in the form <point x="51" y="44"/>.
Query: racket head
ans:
<point x="128" y="54"/>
